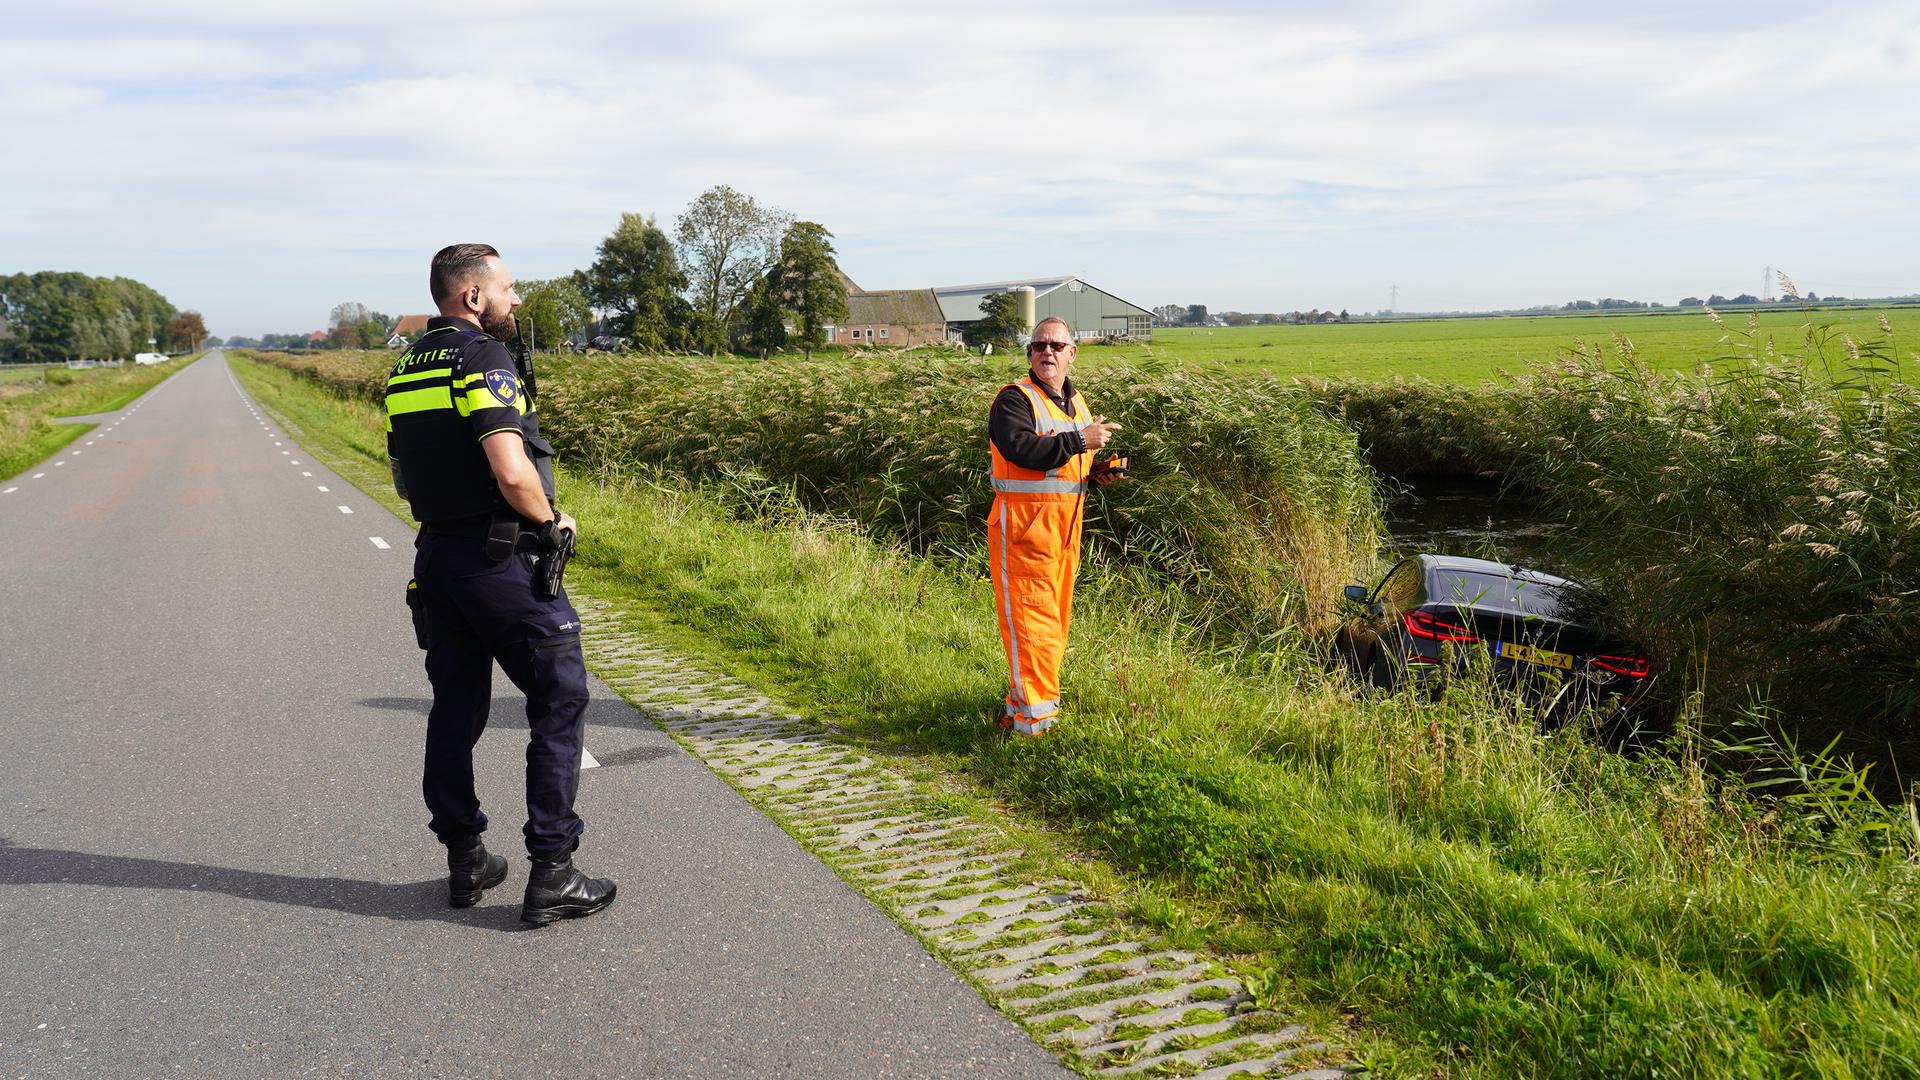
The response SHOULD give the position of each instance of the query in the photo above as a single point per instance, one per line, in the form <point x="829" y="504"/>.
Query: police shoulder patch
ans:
<point x="505" y="388"/>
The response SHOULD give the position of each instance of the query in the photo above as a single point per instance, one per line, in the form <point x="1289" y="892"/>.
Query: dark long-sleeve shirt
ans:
<point x="1010" y="426"/>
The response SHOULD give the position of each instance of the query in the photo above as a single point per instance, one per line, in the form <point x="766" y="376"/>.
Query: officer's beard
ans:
<point x="501" y="325"/>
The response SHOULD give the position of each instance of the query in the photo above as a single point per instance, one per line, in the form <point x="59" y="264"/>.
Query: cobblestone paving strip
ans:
<point x="1103" y="992"/>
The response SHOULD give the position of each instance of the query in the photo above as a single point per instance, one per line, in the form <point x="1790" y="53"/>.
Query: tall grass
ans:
<point x="1247" y="506"/>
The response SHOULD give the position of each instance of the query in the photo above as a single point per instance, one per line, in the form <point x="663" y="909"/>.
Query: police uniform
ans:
<point x="473" y="589"/>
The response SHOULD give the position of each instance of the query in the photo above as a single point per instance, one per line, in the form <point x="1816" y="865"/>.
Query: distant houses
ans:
<point x="907" y="317"/>
<point x="405" y="329"/>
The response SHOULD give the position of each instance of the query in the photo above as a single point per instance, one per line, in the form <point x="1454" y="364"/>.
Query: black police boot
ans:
<point x="557" y="890"/>
<point x="471" y="870"/>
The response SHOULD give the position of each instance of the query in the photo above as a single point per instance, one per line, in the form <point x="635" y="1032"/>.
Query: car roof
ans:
<point x="1462" y="563"/>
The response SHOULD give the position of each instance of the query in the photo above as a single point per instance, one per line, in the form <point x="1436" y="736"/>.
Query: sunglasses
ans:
<point x="1043" y="346"/>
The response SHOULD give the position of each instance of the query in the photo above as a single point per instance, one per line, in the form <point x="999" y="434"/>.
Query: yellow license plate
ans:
<point x="1528" y="654"/>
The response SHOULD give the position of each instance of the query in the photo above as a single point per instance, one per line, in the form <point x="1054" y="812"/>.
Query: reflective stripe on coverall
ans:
<point x="1033" y="548"/>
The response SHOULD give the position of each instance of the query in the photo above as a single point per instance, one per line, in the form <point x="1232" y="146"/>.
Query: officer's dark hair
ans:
<point x="454" y="268"/>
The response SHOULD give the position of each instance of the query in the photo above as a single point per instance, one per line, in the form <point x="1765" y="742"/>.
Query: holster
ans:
<point x="418" y="609"/>
<point x="503" y="537"/>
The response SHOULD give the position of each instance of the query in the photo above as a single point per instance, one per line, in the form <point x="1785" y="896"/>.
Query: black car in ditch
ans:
<point x="1422" y="623"/>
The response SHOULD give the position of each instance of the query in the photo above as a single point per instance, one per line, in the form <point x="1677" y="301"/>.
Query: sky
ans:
<point x="261" y="163"/>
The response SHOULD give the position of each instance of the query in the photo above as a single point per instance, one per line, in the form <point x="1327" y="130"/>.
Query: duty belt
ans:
<point x="504" y="534"/>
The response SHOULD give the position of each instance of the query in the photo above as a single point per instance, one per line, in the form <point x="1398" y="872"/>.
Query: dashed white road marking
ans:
<point x="587" y="760"/>
<point x="322" y="487"/>
<point x="284" y="452"/>
<point x="293" y="463"/>
<point x="379" y="543"/>
<point x="38" y="475"/>
<point x="59" y="463"/>
<point x="346" y="509"/>
<point x="9" y="491"/>
<point x="304" y="473"/>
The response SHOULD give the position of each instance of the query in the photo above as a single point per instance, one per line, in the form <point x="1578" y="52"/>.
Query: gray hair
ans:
<point x="1054" y="320"/>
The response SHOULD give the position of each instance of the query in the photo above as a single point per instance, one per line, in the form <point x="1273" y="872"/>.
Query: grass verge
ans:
<point x="1489" y="902"/>
<point x="28" y="407"/>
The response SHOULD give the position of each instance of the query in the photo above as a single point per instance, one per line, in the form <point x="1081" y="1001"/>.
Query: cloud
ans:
<point x="360" y="129"/>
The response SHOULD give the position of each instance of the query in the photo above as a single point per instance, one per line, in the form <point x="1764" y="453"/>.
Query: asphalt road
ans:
<point x="214" y="861"/>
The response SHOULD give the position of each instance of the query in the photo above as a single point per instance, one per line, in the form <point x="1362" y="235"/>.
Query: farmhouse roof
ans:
<point x="894" y="307"/>
<point x="409" y="325"/>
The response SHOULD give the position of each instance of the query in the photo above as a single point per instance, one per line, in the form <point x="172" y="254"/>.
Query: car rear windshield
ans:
<point x="1495" y="591"/>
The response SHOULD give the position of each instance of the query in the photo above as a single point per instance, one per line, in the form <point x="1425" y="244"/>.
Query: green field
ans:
<point x="15" y="373"/>
<point x="1474" y="350"/>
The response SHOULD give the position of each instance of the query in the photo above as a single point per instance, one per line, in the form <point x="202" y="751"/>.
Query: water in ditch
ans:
<point x="1469" y="517"/>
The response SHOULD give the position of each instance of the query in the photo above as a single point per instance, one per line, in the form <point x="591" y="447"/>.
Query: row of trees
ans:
<point x="735" y="274"/>
<point x="1716" y="300"/>
<point x="51" y="316"/>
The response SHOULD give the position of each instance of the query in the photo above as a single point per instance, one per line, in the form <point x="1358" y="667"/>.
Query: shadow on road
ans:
<point x="412" y="902"/>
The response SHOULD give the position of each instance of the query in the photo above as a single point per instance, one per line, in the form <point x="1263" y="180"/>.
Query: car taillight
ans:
<point x="1632" y="667"/>
<point x="1425" y="624"/>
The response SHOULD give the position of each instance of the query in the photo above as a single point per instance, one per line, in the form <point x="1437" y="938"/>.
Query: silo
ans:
<point x="1023" y="304"/>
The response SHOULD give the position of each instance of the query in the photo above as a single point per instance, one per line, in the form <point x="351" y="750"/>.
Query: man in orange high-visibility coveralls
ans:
<point x="1043" y="438"/>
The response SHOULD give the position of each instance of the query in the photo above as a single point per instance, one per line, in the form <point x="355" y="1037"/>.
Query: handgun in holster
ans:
<point x="417" y="606"/>
<point x="556" y="548"/>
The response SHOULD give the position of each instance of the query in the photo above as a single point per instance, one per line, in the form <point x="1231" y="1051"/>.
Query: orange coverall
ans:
<point x="1033" y="547"/>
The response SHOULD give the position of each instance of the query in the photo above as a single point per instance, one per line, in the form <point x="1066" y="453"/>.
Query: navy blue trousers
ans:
<point x="480" y="612"/>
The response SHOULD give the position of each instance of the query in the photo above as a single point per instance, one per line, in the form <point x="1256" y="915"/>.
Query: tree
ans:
<point x="809" y="282"/>
<point x="999" y="324"/>
<point x="1170" y="314"/>
<point x="344" y="323"/>
<point x="636" y="279"/>
<point x="726" y="241"/>
<point x="763" y="318"/>
<point x="1689" y="301"/>
<point x="554" y="311"/>
<point x="58" y="315"/>
<point x="186" y="330"/>
<point x="1196" y="315"/>
<point x="1343" y="314"/>
<point x="372" y="333"/>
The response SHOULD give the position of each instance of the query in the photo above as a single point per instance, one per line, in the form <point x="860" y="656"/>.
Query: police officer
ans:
<point x="468" y="457"/>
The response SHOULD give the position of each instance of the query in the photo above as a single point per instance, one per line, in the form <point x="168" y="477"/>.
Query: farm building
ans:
<point x="1093" y="313"/>
<point x="405" y="329"/>
<point x="902" y="317"/>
